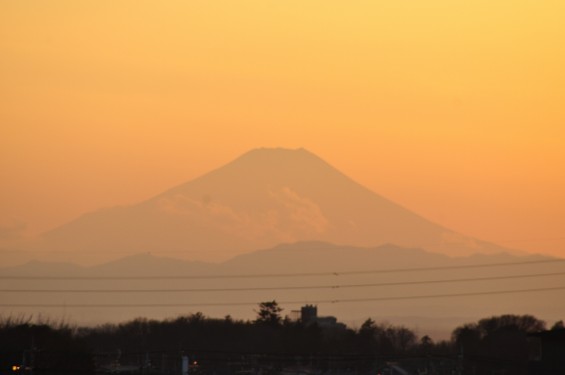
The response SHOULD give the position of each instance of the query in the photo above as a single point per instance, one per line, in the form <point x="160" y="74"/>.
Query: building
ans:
<point x="309" y="315"/>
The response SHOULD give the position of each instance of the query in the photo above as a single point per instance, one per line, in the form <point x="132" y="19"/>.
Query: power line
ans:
<point x="303" y="287"/>
<point x="332" y="301"/>
<point x="281" y="275"/>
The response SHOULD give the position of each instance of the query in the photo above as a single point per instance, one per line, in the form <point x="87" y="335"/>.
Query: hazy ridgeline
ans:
<point x="428" y="292"/>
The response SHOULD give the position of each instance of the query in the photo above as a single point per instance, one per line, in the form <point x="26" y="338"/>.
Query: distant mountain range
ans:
<point x="263" y="198"/>
<point x="427" y="291"/>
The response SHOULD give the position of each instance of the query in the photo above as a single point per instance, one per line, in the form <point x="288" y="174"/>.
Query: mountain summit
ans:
<point x="263" y="198"/>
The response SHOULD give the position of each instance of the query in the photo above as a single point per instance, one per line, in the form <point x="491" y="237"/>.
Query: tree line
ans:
<point x="268" y="344"/>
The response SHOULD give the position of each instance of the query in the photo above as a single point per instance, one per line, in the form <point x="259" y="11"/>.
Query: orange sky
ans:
<point x="454" y="109"/>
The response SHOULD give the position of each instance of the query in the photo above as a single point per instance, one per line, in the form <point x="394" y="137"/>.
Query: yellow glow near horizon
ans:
<point x="451" y="108"/>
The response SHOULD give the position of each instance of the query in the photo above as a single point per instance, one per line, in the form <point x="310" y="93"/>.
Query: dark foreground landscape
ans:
<point x="301" y="344"/>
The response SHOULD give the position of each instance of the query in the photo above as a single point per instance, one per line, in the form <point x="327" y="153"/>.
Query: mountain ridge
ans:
<point x="349" y="282"/>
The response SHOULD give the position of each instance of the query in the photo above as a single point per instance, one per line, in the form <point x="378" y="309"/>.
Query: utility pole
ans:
<point x="184" y="365"/>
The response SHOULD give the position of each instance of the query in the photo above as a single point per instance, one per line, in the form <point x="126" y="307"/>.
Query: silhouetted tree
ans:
<point x="269" y="313"/>
<point x="426" y="344"/>
<point x="498" y="343"/>
<point x="368" y="327"/>
<point x="366" y="337"/>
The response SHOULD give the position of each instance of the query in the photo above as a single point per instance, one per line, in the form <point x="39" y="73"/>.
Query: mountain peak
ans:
<point x="265" y="197"/>
<point x="277" y="157"/>
<point x="277" y="150"/>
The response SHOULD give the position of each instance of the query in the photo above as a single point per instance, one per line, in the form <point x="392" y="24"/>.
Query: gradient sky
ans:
<point x="454" y="109"/>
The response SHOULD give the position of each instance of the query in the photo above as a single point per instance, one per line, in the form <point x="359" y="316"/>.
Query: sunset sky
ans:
<point x="453" y="109"/>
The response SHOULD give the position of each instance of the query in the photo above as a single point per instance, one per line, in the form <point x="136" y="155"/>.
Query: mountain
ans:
<point x="263" y="198"/>
<point x="351" y="283"/>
